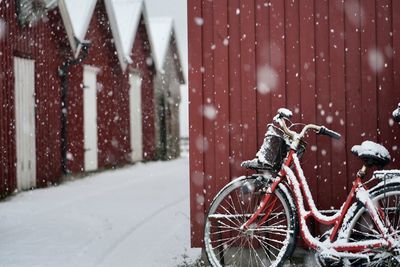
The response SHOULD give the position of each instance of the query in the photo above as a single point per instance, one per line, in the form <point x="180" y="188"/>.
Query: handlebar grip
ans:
<point x="325" y="131"/>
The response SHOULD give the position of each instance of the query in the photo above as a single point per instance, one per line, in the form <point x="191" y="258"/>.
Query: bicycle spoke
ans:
<point x="266" y="246"/>
<point x="233" y="207"/>
<point x="228" y="245"/>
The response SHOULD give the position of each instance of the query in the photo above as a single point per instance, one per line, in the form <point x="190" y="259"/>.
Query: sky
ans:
<point x="178" y="10"/>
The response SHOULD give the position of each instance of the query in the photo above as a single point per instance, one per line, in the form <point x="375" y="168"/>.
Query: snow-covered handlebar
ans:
<point x="280" y="119"/>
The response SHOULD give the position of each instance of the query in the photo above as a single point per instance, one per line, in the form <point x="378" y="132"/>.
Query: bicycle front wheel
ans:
<point x="362" y="227"/>
<point x="267" y="242"/>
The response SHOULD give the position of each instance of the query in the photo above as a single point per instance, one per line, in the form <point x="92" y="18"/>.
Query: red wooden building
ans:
<point x="167" y="83"/>
<point x="99" y="99"/>
<point x="332" y="62"/>
<point x="62" y="98"/>
<point x="30" y="98"/>
<point x="129" y="24"/>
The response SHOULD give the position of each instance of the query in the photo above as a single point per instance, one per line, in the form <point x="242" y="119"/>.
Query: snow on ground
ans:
<point x="134" y="216"/>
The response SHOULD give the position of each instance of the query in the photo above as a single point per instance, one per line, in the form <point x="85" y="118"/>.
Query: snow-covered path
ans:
<point x="135" y="216"/>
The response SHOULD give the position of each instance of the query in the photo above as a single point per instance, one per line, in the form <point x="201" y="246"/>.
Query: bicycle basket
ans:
<point x="275" y="147"/>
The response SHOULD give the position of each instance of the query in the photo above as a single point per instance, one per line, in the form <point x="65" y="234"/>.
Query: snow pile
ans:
<point x="369" y="148"/>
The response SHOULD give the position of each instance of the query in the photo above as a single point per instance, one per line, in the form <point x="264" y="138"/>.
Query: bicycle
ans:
<point x="254" y="220"/>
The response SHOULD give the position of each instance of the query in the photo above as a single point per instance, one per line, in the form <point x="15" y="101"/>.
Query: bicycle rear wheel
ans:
<point x="268" y="244"/>
<point x="362" y="228"/>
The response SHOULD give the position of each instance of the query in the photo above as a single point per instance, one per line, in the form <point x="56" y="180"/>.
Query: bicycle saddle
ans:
<point x="372" y="154"/>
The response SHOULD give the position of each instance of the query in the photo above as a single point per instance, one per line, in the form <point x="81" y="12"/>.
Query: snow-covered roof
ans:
<point x="162" y="36"/>
<point x="76" y="15"/>
<point x="161" y="31"/>
<point x="124" y="16"/>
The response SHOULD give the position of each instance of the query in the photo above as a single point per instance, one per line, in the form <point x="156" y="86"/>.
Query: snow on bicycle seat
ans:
<point x="372" y="153"/>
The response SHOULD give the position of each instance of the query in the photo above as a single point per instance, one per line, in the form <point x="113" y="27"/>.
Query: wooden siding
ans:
<point x="332" y="62"/>
<point x="112" y="97"/>
<point x="38" y="43"/>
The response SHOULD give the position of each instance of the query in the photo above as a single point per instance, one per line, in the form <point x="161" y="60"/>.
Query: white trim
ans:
<point x="25" y="132"/>
<point x="124" y="28"/>
<point x="135" y="114"/>
<point x="90" y="118"/>
<point x="76" y="27"/>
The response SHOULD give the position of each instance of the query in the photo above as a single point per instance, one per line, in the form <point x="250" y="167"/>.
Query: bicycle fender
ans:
<point x="388" y="182"/>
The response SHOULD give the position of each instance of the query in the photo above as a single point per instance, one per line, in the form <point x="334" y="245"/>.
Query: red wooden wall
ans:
<point x="38" y="43"/>
<point x="332" y="62"/>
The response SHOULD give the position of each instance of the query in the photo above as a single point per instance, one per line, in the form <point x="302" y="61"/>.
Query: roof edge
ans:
<point x="68" y="26"/>
<point x="124" y="59"/>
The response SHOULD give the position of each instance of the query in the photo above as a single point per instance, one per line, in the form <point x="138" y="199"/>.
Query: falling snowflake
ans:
<point x="376" y="60"/>
<point x="209" y="112"/>
<point x="199" y="21"/>
<point x="267" y="79"/>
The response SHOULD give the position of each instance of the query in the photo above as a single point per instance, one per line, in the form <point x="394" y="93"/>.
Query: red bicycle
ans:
<point x="254" y="220"/>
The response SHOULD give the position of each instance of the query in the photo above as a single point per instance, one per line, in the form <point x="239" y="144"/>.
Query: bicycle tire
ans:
<point x="227" y="245"/>
<point x="361" y="227"/>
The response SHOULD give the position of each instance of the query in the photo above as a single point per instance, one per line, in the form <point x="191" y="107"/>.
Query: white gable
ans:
<point x="161" y="30"/>
<point x="124" y="16"/>
<point x="76" y="15"/>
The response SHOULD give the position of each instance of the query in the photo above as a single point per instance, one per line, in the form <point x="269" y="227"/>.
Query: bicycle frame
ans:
<point x="300" y="188"/>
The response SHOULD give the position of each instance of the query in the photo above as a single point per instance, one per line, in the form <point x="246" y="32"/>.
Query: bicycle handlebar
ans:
<point x="294" y="135"/>
<point x="325" y="131"/>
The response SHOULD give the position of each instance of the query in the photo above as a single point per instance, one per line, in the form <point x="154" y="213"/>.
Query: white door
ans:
<point x="24" y="74"/>
<point x="135" y="107"/>
<point x="90" y="117"/>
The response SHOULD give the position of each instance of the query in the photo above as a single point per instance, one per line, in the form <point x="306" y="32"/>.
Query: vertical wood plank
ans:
<point x="323" y="111"/>
<point x="235" y="93"/>
<point x="221" y="85"/>
<point x="292" y="38"/>
<point x="307" y="84"/>
<point x="368" y="75"/>
<point x="384" y="65"/>
<point x="248" y="79"/>
<point x="337" y="85"/>
<point x="277" y="55"/>
<point x="196" y="120"/>
<point x="208" y="108"/>
<point x="263" y="68"/>
<point x="353" y="84"/>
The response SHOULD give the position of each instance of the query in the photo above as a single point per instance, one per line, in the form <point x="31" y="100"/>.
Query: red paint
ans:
<point x="37" y="43"/>
<point x="315" y="70"/>
<point x="46" y="42"/>
<point x="112" y="97"/>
